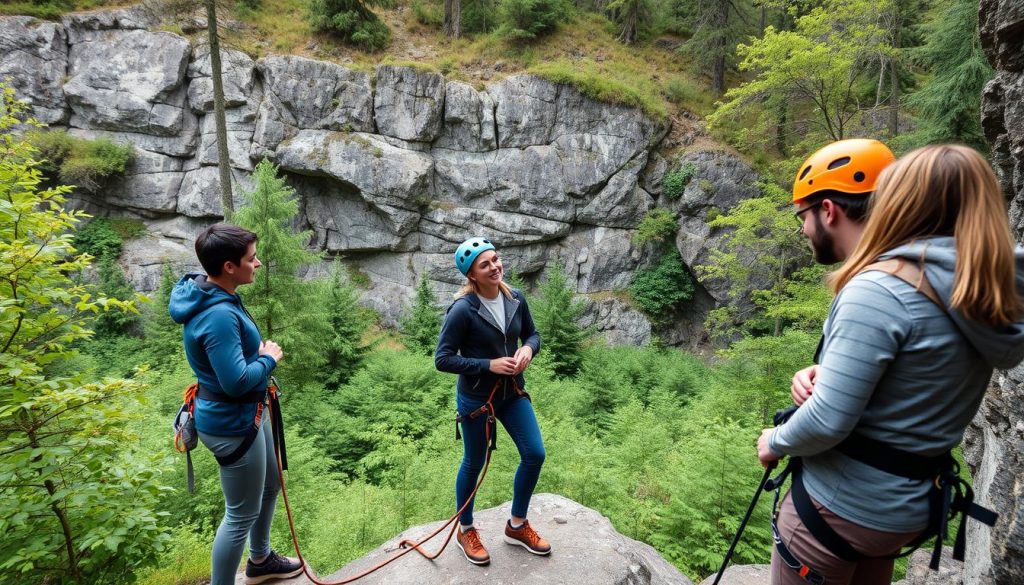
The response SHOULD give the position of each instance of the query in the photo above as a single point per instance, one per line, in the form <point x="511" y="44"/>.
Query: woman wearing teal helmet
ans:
<point x="480" y="341"/>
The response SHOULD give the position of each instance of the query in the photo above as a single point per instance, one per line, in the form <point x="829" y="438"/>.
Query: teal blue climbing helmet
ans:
<point x="468" y="251"/>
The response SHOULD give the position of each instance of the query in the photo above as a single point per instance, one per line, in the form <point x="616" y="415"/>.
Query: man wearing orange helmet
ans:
<point x="831" y="191"/>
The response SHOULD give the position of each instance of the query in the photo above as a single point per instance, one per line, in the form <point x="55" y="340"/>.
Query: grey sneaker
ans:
<point x="274" y="566"/>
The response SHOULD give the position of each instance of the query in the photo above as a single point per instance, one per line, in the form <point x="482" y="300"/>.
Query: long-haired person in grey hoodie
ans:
<point x="232" y="364"/>
<point x="897" y="369"/>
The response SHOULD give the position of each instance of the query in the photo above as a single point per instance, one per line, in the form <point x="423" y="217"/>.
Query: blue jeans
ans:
<point x="516" y="415"/>
<point x="250" y="487"/>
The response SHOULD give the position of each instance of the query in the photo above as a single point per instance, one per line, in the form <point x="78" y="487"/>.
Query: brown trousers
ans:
<point x="836" y="571"/>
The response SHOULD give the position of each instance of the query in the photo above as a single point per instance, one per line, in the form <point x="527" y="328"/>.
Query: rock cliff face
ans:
<point x="995" y="442"/>
<point x="585" y="548"/>
<point x="394" y="167"/>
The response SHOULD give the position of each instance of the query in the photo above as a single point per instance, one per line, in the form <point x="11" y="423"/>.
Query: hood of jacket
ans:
<point x="1001" y="347"/>
<point x="193" y="295"/>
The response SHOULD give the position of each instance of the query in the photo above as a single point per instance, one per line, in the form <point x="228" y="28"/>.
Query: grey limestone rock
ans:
<point x="621" y="203"/>
<point x="238" y="74"/>
<point x="468" y="119"/>
<point x="341" y="221"/>
<point x="408" y="103"/>
<point x="183" y="145"/>
<point x="301" y="93"/>
<point x="586" y="549"/>
<point x="144" y="258"/>
<point x="397" y="182"/>
<point x="653" y="174"/>
<point x="721" y="181"/>
<point x="507" y="229"/>
<point x="742" y="575"/>
<point x="199" y="195"/>
<point x="149" y="186"/>
<point x="616" y="321"/>
<point x="34" y="55"/>
<point x="129" y="81"/>
<point x="89" y="25"/>
<point x="601" y="259"/>
<point x="532" y="111"/>
<point x="241" y="124"/>
<point x="994" y="444"/>
<point x="525" y="112"/>
<point x="918" y="573"/>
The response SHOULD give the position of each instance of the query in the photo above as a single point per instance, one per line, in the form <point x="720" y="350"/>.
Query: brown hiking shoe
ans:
<point x="526" y="537"/>
<point x="469" y="542"/>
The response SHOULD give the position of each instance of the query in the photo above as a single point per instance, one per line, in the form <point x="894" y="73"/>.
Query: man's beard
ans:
<point x="823" y="244"/>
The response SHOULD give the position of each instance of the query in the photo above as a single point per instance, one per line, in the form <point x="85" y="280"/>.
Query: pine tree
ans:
<point x="423" y="324"/>
<point x="557" y="318"/>
<point x="278" y="299"/>
<point x="343" y="347"/>
<point x="949" y="104"/>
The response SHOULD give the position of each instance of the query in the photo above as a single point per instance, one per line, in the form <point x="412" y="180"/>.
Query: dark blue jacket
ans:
<point x="222" y="346"/>
<point x="470" y="339"/>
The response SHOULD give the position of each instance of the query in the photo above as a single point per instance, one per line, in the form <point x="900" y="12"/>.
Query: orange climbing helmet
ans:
<point x="849" y="166"/>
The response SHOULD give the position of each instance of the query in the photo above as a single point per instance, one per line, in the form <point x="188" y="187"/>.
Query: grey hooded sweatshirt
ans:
<point x="897" y="368"/>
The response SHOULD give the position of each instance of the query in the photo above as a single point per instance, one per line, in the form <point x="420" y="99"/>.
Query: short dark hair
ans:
<point x="222" y="243"/>
<point x="856" y="206"/>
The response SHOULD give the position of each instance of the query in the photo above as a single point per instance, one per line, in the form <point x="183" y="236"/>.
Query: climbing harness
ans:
<point x="490" y="430"/>
<point x="949" y="496"/>
<point x="186" y="438"/>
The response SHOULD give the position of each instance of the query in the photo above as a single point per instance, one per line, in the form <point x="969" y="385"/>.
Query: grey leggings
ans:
<point x="250" y="487"/>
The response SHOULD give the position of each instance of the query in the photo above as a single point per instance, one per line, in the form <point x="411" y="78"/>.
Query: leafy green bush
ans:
<point x="352" y="20"/>
<point x="522" y="20"/>
<point x="81" y="162"/>
<point x="79" y="497"/>
<point x="676" y="180"/>
<point x="662" y="289"/>
<point x="99" y="239"/>
<point x="658" y="226"/>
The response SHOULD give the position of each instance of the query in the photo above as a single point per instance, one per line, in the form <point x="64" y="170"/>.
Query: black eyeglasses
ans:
<point x="799" y="214"/>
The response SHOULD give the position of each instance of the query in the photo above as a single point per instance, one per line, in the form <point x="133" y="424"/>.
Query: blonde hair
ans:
<point x="945" y="190"/>
<point x="470" y="287"/>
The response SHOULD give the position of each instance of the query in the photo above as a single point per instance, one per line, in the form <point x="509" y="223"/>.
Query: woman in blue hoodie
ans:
<point x="479" y="341"/>
<point x="903" y="369"/>
<point x="232" y="365"/>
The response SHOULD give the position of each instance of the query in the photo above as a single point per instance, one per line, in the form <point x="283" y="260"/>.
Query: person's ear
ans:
<point x="229" y="268"/>
<point x="830" y="210"/>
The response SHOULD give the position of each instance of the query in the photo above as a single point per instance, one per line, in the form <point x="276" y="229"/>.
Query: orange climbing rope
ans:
<point x="407" y="545"/>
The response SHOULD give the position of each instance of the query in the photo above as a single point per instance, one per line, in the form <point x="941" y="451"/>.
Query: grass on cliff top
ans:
<point x="583" y="53"/>
<point x="54" y="9"/>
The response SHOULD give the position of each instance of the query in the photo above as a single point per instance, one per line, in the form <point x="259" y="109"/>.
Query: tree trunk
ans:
<point x="780" y="127"/>
<point x="718" y="65"/>
<point x="65" y="524"/>
<point x="452" y="25"/>
<point x="894" y="99"/>
<point x="223" y="160"/>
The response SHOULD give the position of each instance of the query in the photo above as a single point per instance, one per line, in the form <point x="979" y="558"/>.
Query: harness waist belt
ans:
<point x="254" y="397"/>
<point x="892" y="460"/>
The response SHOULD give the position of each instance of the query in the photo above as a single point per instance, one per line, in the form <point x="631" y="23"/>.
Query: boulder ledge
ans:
<point x="585" y="549"/>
